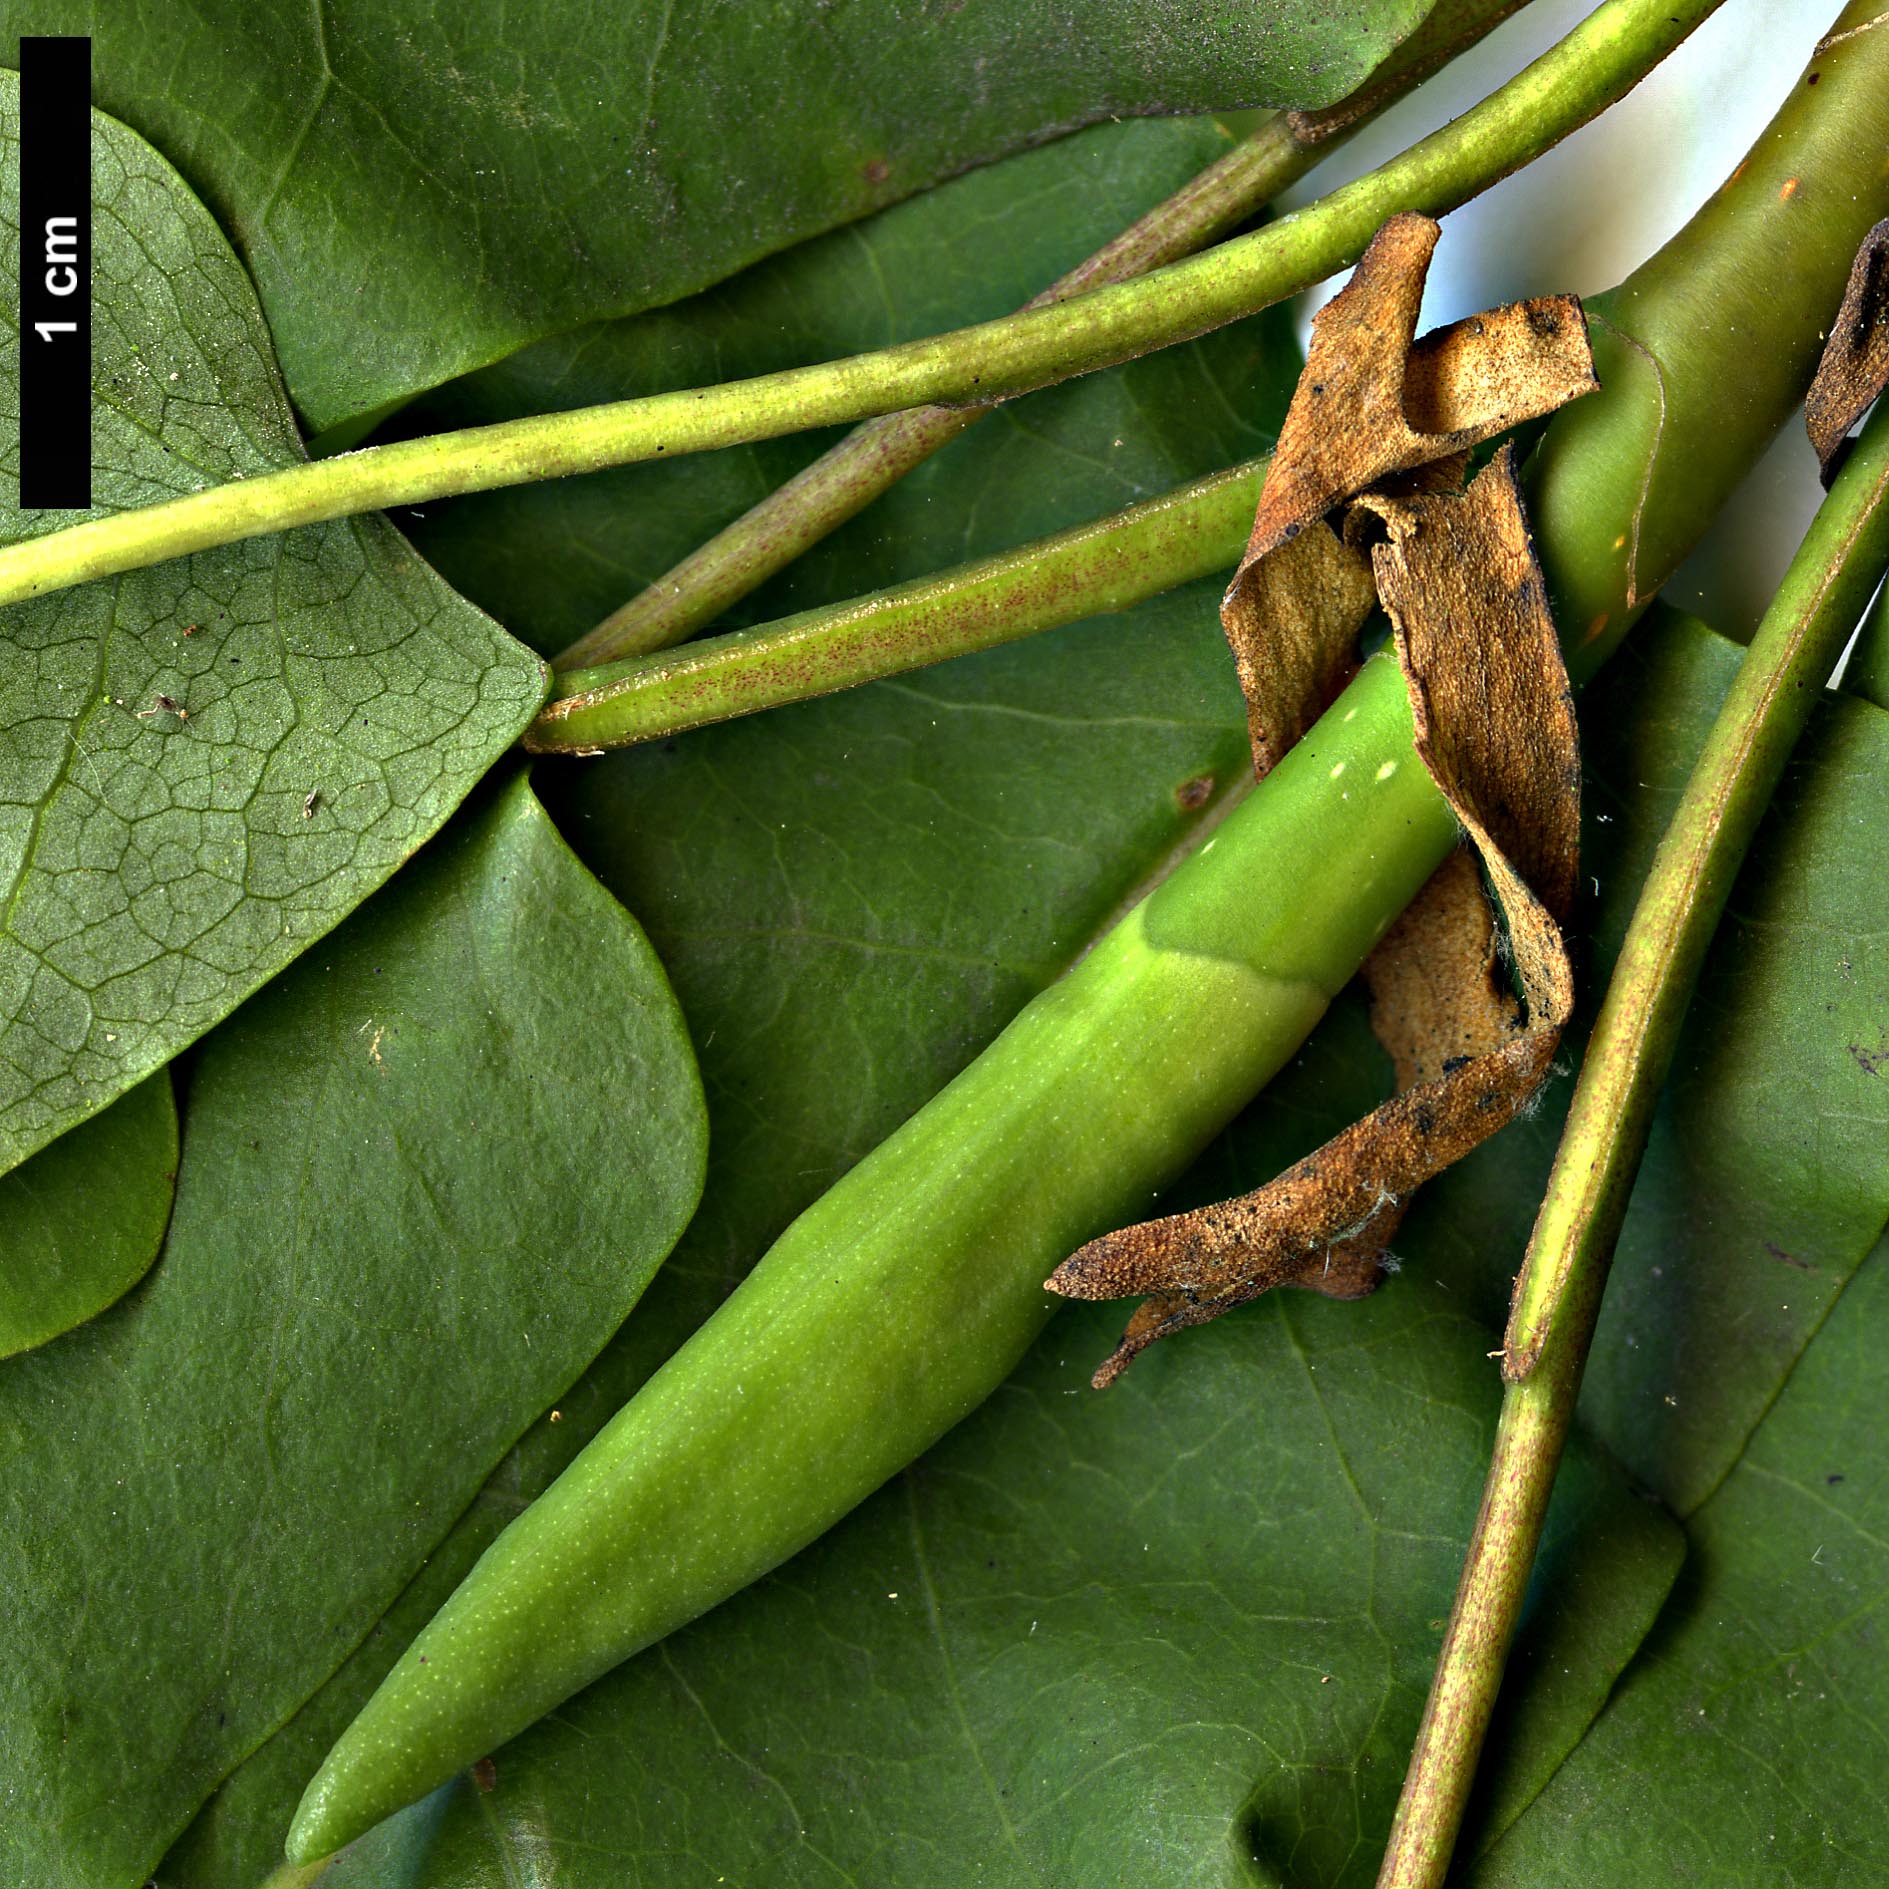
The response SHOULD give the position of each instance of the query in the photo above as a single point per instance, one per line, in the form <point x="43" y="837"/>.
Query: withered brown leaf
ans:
<point x="1855" y="366"/>
<point x="1386" y="426"/>
<point x="1372" y="405"/>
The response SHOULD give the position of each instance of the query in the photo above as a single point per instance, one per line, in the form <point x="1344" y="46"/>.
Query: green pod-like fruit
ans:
<point x="907" y="1293"/>
<point x="903" y="1296"/>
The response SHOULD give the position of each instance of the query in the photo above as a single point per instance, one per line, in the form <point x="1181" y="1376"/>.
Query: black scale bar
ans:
<point x="55" y="274"/>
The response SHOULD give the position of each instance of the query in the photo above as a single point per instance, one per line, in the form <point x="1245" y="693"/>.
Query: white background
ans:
<point x="1602" y="201"/>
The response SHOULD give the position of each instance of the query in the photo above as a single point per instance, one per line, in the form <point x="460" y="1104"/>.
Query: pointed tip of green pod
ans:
<point x="344" y="1800"/>
<point x="316" y="1833"/>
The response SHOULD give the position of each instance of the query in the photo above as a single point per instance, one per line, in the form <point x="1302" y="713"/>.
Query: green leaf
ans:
<point x="853" y="896"/>
<point x="420" y="192"/>
<point x="81" y="1222"/>
<point x="1756" y="1710"/>
<point x="839" y="885"/>
<point x="1764" y="1183"/>
<point x="403" y="1225"/>
<point x="1179" y="1634"/>
<point x="333" y="699"/>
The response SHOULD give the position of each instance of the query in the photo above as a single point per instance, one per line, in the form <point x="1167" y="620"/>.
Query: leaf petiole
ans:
<point x="1604" y="57"/>
<point x="871" y="459"/>
<point x="1108" y="564"/>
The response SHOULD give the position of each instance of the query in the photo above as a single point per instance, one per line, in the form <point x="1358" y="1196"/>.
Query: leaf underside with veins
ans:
<point x="204" y="765"/>
<point x="403" y="1226"/>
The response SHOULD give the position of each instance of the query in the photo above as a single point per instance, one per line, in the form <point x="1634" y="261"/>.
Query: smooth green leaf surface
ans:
<point x="1773" y="1182"/>
<point x="852" y="897"/>
<point x="1756" y="1710"/>
<point x="333" y="699"/>
<point x="404" y="1223"/>
<point x="419" y="191"/>
<point x="1179" y="1634"/>
<point x="837" y="888"/>
<point x="734" y="1735"/>
<point x="1765" y="1180"/>
<point x="81" y="1222"/>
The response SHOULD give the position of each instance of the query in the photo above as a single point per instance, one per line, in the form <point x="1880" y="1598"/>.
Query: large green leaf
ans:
<point x="1747" y="1744"/>
<point x="810" y="1732"/>
<point x="420" y="190"/>
<point x="334" y="699"/>
<point x="854" y="896"/>
<point x="1764" y="1182"/>
<point x="1179" y="1635"/>
<point x="81" y="1222"/>
<point x="404" y="1223"/>
<point x="839" y="887"/>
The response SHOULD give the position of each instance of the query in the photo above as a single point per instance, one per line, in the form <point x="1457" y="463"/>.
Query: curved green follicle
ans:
<point x="1271" y="917"/>
<point x="1107" y="565"/>
<point x="1605" y="56"/>
<point x="1706" y="345"/>
<point x="896" y="1303"/>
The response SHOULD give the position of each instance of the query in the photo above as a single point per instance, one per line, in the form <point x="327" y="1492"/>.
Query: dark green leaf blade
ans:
<point x="1174" y="1635"/>
<point x="420" y="192"/>
<point x="208" y="763"/>
<point x="403" y="1225"/>
<point x="1764" y="1183"/>
<point x="853" y="896"/>
<point x="81" y="1222"/>
<point x="838" y="888"/>
<point x="1756" y="1709"/>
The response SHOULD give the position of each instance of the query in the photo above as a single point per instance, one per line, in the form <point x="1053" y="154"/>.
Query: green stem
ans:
<point x="876" y="455"/>
<point x="1106" y="565"/>
<point x="1558" y="1298"/>
<point x="1601" y="59"/>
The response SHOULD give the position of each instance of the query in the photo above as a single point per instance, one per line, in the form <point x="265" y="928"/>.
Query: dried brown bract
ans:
<point x="1855" y="364"/>
<point x="1373" y="405"/>
<point x="1386" y="426"/>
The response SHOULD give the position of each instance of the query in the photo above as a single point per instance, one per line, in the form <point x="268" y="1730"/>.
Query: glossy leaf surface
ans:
<point x="403" y="1225"/>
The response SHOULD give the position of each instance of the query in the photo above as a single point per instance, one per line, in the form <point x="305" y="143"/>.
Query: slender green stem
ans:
<point x="1106" y="565"/>
<point x="1601" y="59"/>
<point x="877" y="454"/>
<point x="1558" y="1298"/>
